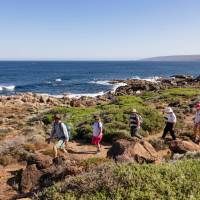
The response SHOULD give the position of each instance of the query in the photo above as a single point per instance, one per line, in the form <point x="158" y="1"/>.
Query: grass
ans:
<point x="115" y="117"/>
<point x="169" y="181"/>
<point x="175" y="94"/>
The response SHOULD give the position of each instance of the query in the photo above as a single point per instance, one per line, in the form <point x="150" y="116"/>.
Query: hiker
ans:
<point x="59" y="135"/>
<point x="197" y="123"/>
<point x="97" y="132"/>
<point x="134" y="124"/>
<point x="170" y="123"/>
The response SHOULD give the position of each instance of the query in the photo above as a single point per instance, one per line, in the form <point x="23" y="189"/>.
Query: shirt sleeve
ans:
<point x="65" y="131"/>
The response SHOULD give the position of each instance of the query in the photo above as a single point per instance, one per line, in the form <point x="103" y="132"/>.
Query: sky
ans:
<point x="98" y="29"/>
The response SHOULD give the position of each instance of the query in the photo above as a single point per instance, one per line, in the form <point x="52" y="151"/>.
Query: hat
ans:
<point x="134" y="110"/>
<point x="96" y="116"/>
<point x="168" y="110"/>
<point x="57" y="116"/>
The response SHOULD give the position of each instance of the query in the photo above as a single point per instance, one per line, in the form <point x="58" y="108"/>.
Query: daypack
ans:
<point x="140" y="119"/>
<point x="100" y="127"/>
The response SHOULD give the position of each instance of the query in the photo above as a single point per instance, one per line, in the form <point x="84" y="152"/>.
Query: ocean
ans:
<point x="89" y="78"/>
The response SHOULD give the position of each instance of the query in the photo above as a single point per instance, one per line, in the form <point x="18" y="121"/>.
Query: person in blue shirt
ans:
<point x="59" y="135"/>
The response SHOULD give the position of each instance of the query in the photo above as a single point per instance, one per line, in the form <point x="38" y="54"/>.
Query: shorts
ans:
<point x="59" y="144"/>
<point x="97" y="139"/>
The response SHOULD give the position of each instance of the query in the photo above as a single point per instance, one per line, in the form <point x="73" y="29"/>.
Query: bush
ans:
<point x="115" y="117"/>
<point x="180" y="181"/>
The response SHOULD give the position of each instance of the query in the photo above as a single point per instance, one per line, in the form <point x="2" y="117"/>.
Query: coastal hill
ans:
<point x="174" y="58"/>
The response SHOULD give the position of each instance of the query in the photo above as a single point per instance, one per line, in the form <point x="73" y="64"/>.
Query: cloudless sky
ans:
<point x="98" y="29"/>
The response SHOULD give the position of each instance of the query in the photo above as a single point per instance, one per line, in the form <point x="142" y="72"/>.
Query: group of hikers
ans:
<point x="60" y="133"/>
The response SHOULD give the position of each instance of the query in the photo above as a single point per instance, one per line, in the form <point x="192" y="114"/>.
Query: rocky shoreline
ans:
<point x="132" y="87"/>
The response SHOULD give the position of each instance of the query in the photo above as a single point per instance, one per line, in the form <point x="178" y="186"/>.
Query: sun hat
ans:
<point x="134" y="110"/>
<point x="168" y="110"/>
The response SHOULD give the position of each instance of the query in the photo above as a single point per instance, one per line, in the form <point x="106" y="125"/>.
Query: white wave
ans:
<point x="136" y="77"/>
<point x="86" y="95"/>
<point x="7" y="87"/>
<point x="116" y="85"/>
<point x="153" y="79"/>
<point x="101" y="82"/>
<point x="58" y="80"/>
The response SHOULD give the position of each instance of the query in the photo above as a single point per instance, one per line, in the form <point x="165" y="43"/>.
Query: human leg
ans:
<point x="165" y="131"/>
<point x="55" y="151"/>
<point x="134" y="133"/>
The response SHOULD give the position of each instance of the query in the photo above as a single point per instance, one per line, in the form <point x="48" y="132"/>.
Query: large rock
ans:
<point x="42" y="173"/>
<point x="30" y="179"/>
<point x="41" y="161"/>
<point x="134" y="150"/>
<point x="180" y="146"/>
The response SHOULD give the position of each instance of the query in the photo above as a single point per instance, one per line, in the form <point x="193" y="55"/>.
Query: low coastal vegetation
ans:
<point x="180" y="181"/>
<point x="96" y="177"/>
<point x="115" y="117"/>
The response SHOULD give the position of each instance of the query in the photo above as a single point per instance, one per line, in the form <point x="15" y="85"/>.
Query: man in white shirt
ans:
<point x="170" y="124"/>
<point x="97" y="132"/>
<point x="197" y="123"/>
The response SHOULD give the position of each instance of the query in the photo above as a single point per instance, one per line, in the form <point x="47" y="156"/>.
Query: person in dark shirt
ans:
<point x="134" y="124"/>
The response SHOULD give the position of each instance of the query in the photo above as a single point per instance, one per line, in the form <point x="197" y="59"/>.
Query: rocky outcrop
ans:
<point x="42" y="172"/>
<point x="180" y="146"/>
<point x="35" y="100"/>
<point x="30" y="178"/>
<point x="135" y="86"/>
<point x="41" y="161"/>
<point x="133" y="151"/>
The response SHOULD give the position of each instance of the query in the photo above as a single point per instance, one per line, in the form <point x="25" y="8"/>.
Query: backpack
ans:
<point x="140" y="119"/>
<point x="69" y="130"/>
<point x="100" y="127"/>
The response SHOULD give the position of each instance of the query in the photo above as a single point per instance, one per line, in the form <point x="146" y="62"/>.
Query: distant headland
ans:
<point x="174" y="58"/>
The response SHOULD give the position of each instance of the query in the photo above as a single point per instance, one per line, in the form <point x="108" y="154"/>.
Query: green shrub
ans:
<point x="175" y="94"/>
<point x="168" y="181"/>
<point x="115" y="117"/>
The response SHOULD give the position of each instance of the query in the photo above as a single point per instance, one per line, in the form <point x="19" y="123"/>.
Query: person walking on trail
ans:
<point x="170" y="123"/>
<point x="134" y="123"/>
<point x="97" y="132"/>
<point x="59" y="135"/>
<point x="197" y="123"/>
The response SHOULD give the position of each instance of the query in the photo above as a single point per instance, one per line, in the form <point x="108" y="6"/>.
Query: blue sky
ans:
<point x="98" y="29"/>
